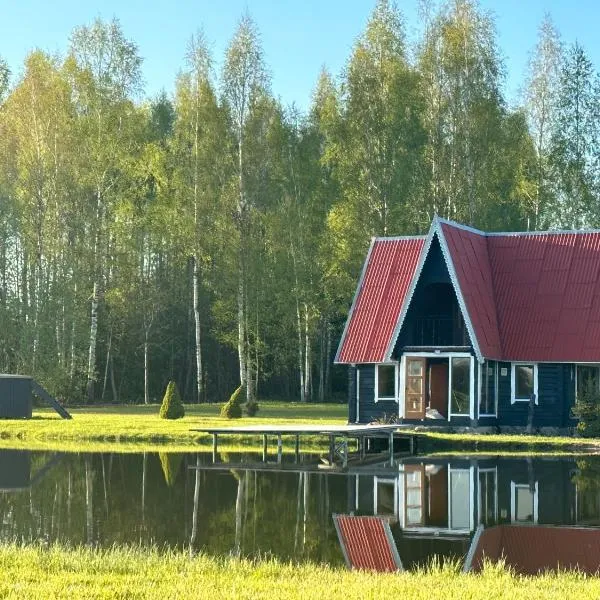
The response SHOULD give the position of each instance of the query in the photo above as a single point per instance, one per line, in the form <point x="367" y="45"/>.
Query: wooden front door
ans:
<point x="414" y="392"/>
<point x="438" y="387"/>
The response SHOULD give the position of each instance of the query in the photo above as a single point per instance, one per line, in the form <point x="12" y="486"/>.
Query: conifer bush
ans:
<point x="251" y="408"/>
<point x="232" y="409"/>
<point x="171" y="407"/>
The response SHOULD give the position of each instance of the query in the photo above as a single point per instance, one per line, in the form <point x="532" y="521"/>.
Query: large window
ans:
<point x="524" y="382"/>
<point x="460" y="392"/>
<point x="489" y="389"/>
<point x="587" y="379"/>
<point x="385" y="382"/>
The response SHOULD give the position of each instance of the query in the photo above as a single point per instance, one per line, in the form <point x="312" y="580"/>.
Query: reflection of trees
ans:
<point x="94" y="498"/>
<point x="587" y="482"/>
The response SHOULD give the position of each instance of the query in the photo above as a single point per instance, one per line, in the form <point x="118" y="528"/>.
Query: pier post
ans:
<point x="279" y="449"/>
<point x="264" y="447"/>
<point x="215" y="443"/>
<point x="297" y="448"/>
<point x="391" y="444"/>
<point x="345" y="451"/>
<point x="331" y="449"/>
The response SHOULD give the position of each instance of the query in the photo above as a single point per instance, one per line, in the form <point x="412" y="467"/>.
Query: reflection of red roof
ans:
<point x="528" y="296"/>
<point x="367" y="543"/>
<point x="389" y="270"/>
<point x="530" y="550"/>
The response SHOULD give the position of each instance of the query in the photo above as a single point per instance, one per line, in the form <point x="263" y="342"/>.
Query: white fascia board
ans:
<point x="410" y="293"/>
<point x="437" y="227"/>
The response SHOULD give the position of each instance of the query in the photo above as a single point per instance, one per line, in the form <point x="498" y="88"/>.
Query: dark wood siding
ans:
<point x="553" y="402"/>
<point x="369" y="409"/>
<point x="351" y="394"/>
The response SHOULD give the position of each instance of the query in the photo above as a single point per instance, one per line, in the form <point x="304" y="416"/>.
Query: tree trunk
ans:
<point x="91" y="374"/>
<point x="196" y="301"/>
<point x="146" y="395"/>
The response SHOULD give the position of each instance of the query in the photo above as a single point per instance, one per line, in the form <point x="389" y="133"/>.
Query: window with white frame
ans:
<point x="523" y="382"/>
<point x="386" y="381"/>
<point x="523" y="502"/>
<point x="488" y="401"/>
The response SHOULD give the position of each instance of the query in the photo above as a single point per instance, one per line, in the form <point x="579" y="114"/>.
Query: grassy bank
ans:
<point x="135" y="428"/>
<point x="133" y="573"/>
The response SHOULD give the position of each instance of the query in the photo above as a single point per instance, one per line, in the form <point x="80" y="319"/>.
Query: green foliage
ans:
<point x="232" y="409"/>
<point x="171" y="465"/>
<point x="587" y="410"/>
<point x="171" y="407"/>
<point x="251" y="408"/>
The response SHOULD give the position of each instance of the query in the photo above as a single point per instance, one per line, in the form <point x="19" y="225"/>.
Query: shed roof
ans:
<point x="530" y="550"/>
<point x="531" y="296"/>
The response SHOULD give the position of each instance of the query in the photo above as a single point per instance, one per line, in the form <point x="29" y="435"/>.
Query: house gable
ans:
<point x="433" y="316"/>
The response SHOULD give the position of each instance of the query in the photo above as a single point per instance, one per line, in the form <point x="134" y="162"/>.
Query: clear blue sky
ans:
<point x="299" y="36"/>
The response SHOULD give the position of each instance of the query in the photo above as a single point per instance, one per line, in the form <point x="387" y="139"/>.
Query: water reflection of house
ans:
<point x="436" y="506"/>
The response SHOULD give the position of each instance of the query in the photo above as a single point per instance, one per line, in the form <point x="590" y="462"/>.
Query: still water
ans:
<point x="434" y="505"/>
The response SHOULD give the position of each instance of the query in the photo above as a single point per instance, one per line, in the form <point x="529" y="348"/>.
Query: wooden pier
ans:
<point x="338" y="436"/>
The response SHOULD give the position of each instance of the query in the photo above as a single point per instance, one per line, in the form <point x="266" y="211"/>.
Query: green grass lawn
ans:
<point x="34" y="572"/>
<point x="135" y="428"/>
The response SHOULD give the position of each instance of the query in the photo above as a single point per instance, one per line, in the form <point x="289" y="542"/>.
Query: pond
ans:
<point x="434" y="505"/>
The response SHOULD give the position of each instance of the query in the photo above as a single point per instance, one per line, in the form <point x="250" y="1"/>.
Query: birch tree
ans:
<point x="244" y="81"/>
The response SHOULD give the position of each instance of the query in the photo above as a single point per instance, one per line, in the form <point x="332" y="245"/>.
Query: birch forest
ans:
<point x="215" y="236"/>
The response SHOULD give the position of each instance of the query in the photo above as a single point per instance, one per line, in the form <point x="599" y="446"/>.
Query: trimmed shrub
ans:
<point x="587" y="410"/>
<point x="251" y="408"/>
<point x="171" y="407"/>
<point x="232" y="409"/>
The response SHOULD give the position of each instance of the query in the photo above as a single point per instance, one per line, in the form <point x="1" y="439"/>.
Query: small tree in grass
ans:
<point x="232" y="409"/>
<point x="587" y="410"/>
<point x="172" y="407"/>
<point x="251" y="408"/>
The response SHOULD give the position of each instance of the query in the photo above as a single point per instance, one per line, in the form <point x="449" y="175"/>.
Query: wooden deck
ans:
<point x="339" y="433"/>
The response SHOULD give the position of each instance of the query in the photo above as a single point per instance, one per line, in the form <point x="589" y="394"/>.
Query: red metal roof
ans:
<point x="528" y="296"/>
<point x="469" y="255"/>
<point x="531" y="550"/>
<point x="388" y="272"/>
<point x="547" y="289"/>
<point x="367" y="543"/>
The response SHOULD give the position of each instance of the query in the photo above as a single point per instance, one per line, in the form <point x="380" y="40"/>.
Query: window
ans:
<point x="488" y="497"/>
<point x="489" y="389"/>
<point x="461" y="386"/>
<point x="524" y="382"/>
<point x="587" y="378"/>
<point x="386" y="382"/>
<point x="523" y="503"/>
<point x="460" y="499"/>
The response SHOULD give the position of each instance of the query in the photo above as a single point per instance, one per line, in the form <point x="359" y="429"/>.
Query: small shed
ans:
<point x="15" y="396"/>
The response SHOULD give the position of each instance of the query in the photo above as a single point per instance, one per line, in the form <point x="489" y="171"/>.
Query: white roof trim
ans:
<point x="436" y="229"/>
<point x="437" y="225"/>
<point x="409" y="294"/>
<point x="354" y="301"/>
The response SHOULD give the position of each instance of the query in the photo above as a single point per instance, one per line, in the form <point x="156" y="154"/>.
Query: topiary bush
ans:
<point x="232" y="409"/>
<point x="251" y="408"/>
<point x="587" y="410"/>
<point x="171" y="407"/>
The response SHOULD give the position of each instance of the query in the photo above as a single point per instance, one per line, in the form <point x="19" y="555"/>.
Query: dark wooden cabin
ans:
<point x="463" y="327"/>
